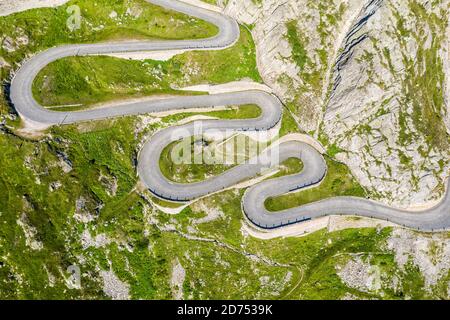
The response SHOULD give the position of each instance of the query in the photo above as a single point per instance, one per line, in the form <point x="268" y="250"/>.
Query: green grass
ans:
<point x="424" y="80"/>
<point x="187" y="173"/>
<point x="101" y="149"/>
<point x="288" y="167"/>
<point x="207" y="266"/>
<point x="288" y="124"/>
<point x="91" y="80"/>
<point x="248" y="111"/>
<point x="299" y="53"/>
<point x="51" y="213"/>
<point x="333" y="150"/>
<point x="104" y="149"/>
<point x="145" y="20"/>
<point x="337" y="182"/>
<point x="321" y="280"/>
<point x="198" y="172"/>
<point x="313" y="60"/>
<point x="107" y="148"/>
<point x="166" y="204"/>
<point x="317" y="255"/>
<point x="214" y="2"/>
<point x="144" y="247"/>
<point x="46" y="27"/>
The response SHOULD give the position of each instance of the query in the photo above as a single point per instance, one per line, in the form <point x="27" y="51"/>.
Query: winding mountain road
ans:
<point x="436" y="218"/>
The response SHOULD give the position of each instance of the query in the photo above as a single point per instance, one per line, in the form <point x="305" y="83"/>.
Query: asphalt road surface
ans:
<point x="436" y="218"/>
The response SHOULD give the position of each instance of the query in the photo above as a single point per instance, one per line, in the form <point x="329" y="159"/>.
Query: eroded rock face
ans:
<point x="177" y="280"/>
<point x="360" y="275"/>
<point x="19" y="39"/>
<point x="114" y="287"/>
<point x="429" y="253"/>
<point x="387" y="106"/>
<point x="296" y="42"/>
<point x="30" y="233"/>
<point x="370" y="75"/>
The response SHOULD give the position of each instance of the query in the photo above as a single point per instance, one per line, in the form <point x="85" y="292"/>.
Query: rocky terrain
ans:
<point x="368" y="77"/>
<point x="297" y="42"/>
<point x="426" y="254"/>
<point x="389" y="101"/>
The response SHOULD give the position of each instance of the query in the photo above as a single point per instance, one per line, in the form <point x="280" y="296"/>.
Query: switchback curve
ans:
<point x="436" y="218"/>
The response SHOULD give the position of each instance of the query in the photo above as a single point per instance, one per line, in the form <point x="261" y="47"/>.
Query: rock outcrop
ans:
<point x="387" y="108"/>
<point x="372" y="76"/>
<point x="297" y="42"/>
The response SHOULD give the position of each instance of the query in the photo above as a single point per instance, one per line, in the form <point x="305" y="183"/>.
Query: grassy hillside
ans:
<point x="90" y="80"/>
<point x="73" y="197"/>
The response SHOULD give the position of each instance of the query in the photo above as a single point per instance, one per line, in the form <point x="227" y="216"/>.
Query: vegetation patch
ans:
<point x="338" y="182"/>
<point x="85" y="81"/>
